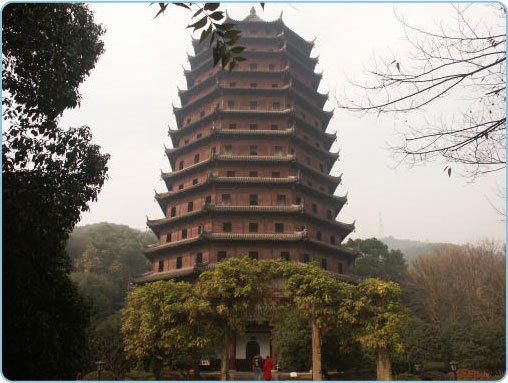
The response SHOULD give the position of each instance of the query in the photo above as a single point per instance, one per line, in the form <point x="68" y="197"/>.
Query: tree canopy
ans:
<point x="48" y="176"/>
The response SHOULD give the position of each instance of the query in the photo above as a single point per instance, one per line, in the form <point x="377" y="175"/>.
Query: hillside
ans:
<point x="412" y="249"/>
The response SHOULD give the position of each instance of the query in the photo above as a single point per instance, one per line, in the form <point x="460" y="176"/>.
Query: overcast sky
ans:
<point x="127" y="103"/>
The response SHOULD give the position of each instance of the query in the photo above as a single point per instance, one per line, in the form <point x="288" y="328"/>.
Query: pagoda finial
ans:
<point x="280" y="16"/>
<point x="253" y="11"/>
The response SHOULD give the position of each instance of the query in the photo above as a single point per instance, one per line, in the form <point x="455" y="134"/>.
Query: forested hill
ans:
<point x="105" y="257"/>
<point x="412" y="249"/>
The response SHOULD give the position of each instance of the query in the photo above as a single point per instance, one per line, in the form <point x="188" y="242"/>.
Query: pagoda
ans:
<point x="251" y="166"/>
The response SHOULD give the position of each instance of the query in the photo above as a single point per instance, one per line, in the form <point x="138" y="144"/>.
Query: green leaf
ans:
<point x="232" y="65"/>
<point x="198" y="12"/>
<point x="180" y="5"/>
<point x="211" y="6"/>
<point x="225" y="26"/>
<point x="237" y="50"/>
<point x="239" y="58"/>
<point x="219" y="15"/>
<point x="199" y="24"/>
<point x="205" y="34"/>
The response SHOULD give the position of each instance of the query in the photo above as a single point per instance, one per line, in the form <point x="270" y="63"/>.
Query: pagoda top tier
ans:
<point x="254" y="21"/>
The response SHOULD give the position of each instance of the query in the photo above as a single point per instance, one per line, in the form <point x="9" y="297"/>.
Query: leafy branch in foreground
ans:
<point x="221" y="35"/>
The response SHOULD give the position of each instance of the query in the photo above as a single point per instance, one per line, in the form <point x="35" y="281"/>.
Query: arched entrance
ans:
<point x="251" y="349"/>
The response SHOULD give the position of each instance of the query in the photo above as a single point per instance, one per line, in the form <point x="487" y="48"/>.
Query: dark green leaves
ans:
<point x="223" y="38"/>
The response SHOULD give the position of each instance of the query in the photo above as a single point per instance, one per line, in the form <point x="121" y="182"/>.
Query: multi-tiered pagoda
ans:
<point x="251" y="164"/>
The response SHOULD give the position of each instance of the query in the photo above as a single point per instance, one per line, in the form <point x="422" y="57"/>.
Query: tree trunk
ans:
<point x="384" y="366"/>
<point x="316" y="351"/>
<point x="224" y="366"/>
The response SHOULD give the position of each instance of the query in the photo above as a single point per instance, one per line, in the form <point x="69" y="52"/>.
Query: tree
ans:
<point x="163" y="324"/>
<point x="459" y="283"/>
<point x="377" y="315"/>
<point x="318" y="297"/>
<point x="462" y="59"/>
<point x="377" y="261"/>
<point x="48" y="176"/>
<point x="234" y="290"/>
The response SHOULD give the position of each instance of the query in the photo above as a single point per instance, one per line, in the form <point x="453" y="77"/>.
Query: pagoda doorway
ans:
<point x="251" y="349"/>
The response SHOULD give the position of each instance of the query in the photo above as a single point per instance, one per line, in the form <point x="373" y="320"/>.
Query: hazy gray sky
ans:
<point x="127" y="102"/>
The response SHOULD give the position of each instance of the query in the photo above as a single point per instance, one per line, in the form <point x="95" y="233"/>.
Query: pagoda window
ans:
<point x="232" y="84"/>
<point x="324" y="264"/>
<point x="276" y="106"/>
<point x="284" y="255"/>
<point x="188" y="121"/>
<point x="275" y="127"/>
<point x="202" y="114"/>
<point x="279" y="228"/>
<point x="298" y="201"/>
<point x="161" y="266"/>
<point x="253" y="85"/>
<point x="253" y="254"/>
<point x="341" y="268"/>
<point x="230" y="173"/>
<point x="186" y="142"/>
<point x="306" y="258"/>
<point x="195" y="181"/>
<point x="253" y="126"/>
<point x="196" y="158"/>
<point x="321" y="168"/>
<point x="289" y="105"/>
<point x="208" y="199"/>
<point x="307" y="159"/>
<point x="228" y="149"/>
<point x="278" y="151"/>
<point x="232" y="126"/>
<point x="221" y="255"/>
<point x="199" y="258"/>
<point x="173" y="211"/>
<point x="329" y="214"/>
<point x="213" y="151"/>
<point x="180" y="166"/>
<point x="275" y="85"/>
<point x="168" y="237"/>
<point x="231" y="105"/>
<point x="314" y="208"/>
<point x="226" y="227"/>
<point x="253" y="227"/>
<point x="271" y="67"/>
<point x="275" y="174"/>
<point x="253" y="67"/>
<point x="184" y="233"/>
<point x="253" y="150"/>
<point x="281" y="200"/>
<point x="200" y="229"/>
<point x="318" y="235"/>
<point x="199" y="136"/>
<point x="180" y="187"/>
<point x="226" y="199"/>
<point x="190" y="206"/>
<point x="253" y="105"/>
<point x="253" y="173"/>
<point x="292" y="150"/>
<point x="178" y="262"/>
<point x="332" y="240"/>
<point x="170" y="187"/>
<point x="253" y="199"/>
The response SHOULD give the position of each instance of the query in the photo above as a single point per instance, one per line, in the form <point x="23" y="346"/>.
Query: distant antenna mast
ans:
<point x="381" y="227"/>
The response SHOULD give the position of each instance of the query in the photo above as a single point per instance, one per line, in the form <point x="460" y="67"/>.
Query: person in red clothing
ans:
<point x="267" y="368"/>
